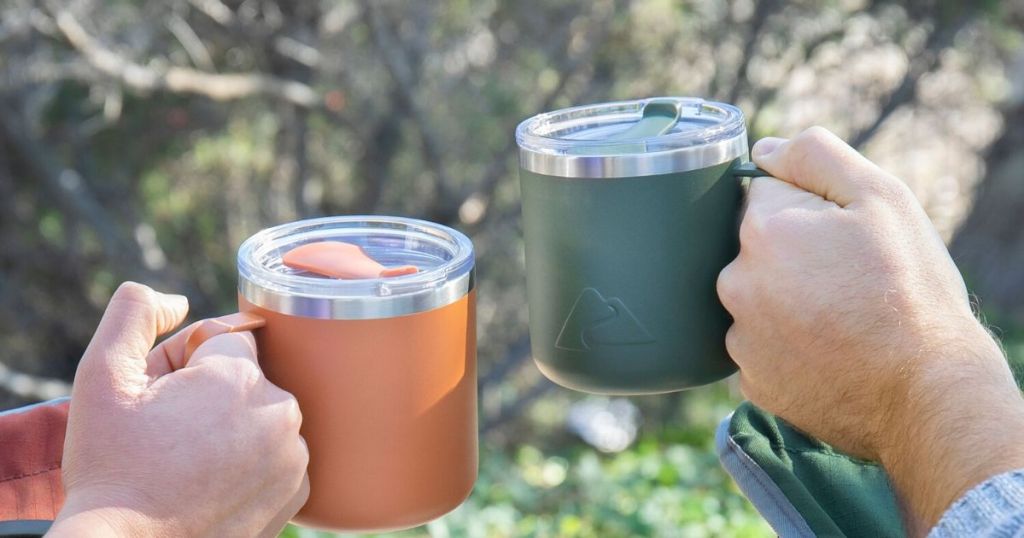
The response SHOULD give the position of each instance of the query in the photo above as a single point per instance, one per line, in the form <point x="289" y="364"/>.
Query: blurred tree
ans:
<point x="989" y="247"/>
<point x="145" y="140"/>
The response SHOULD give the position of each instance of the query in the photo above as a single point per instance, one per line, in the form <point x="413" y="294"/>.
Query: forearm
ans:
<point x="962" y="423"/>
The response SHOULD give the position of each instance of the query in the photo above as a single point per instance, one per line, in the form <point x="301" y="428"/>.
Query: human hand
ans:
<point x="853" y="324"/>
<point x="156" y="447"/>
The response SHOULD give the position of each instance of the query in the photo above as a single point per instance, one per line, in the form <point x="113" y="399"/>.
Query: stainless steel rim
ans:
<point x="357" y="307"/>
<point x="642" y="164"/>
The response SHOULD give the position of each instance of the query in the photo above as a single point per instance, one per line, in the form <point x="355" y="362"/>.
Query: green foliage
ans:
<point x="206" y="173"/>
<point x="1015" y="355"/>
<point x="654" y="489"/>
<point x="667" y="484"/>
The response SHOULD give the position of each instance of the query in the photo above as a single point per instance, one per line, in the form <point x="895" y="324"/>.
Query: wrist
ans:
<point x="954" y="387"/>
<point x="956" y="420"/>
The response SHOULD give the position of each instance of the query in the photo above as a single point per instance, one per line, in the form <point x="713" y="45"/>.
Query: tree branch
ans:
<point x="70" y="191"/>
<point x="190" y="41"/>
<point x="757" y="24"/>
<point x="921" y="64"/>
<point x="41" y="73"/>
<point x="541" y="387"/>
<point x="216" y="10"/>
<point x="174" y="79"/>
<point x="381" y="144"/>
<point x="571" y="68"/>
<point x="66" y="186"/>
<point x="765" y="95"/>
<point x="405" y="76"/>
<point x="32" y="387"/>
<point x="517" y="354"/>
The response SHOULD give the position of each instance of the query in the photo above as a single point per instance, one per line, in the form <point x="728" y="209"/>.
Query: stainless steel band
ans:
<point x="361" y="307"/>
<point x="633" y="164"/>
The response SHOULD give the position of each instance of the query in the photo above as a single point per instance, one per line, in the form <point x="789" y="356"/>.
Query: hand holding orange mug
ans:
<point x="152" y="444"/>
<point x="379" y="350"/>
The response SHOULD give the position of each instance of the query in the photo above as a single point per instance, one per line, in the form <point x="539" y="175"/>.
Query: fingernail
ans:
<point x="765" y="146"/>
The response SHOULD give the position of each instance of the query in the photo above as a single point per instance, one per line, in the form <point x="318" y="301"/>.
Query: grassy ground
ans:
<point x="651" y="490"/>
<point x="668" y="483"/>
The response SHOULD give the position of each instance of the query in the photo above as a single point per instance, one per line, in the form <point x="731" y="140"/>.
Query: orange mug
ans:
<point x="384" y="369"/>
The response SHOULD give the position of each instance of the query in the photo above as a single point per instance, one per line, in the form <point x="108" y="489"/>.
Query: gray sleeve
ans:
<point x="992" y="509"/>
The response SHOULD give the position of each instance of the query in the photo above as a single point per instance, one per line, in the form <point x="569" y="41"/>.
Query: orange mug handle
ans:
<point x="231" y="323"/>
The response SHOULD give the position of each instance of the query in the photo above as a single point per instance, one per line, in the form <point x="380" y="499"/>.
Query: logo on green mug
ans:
<point x="596" y="322"/>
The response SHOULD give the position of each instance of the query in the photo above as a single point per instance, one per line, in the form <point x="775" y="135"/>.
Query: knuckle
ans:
<point x="136" y="300"/>
<point x="732" y="342"/>
<point x="251" y="373"/>
<point x="249" y="340"/>
<point x="753" y="227"/>
<point x="892" y="191"/>
<point x="815" y="136"/>
<point x="293" y="459"/>
<point x="244" y="371"/>
<point x="223" y="373"/>
<point x="302" y="492"/>
<point x="131" y="310"/>
<point x="811" y="143"/>
<point x="728" y="287"/>
<point x="303" y="454"/>
<point x="135" y="293"/>
<point x="292" y="413"/>
<point x="234" y="344"/>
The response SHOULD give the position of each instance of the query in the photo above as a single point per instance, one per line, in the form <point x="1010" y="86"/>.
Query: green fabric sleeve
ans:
<point x="834" y="494"/>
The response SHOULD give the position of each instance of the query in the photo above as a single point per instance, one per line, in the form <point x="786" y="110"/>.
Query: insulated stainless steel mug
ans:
<point x="630" y="210"/>
<point x="384" y="369"/>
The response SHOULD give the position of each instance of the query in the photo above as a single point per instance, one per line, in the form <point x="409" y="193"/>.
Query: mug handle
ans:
<point x="748" y="169"/>
<point x="231" y="323"/>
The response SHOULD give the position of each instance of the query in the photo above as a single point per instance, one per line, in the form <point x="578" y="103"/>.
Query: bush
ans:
<point x="655" y="488"/>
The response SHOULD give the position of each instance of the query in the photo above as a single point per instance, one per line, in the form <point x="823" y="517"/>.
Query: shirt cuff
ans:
<point x="993" y="508"/>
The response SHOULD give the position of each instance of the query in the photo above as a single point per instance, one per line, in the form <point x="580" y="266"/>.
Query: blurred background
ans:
<point x="144" y="140"/>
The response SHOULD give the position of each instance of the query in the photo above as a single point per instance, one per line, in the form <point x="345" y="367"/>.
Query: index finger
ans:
<point x="820" y="162"/>
<point x="233" y="345"/>
<point x="174" y="353"/>
<point x="768" y="195"/>
<point x="169" y="355"/>
<point x="231" y="323"/>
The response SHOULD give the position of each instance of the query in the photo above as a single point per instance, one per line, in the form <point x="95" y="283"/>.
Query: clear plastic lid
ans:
<point x="632" y="138"/>
<point x="444" y="259"/>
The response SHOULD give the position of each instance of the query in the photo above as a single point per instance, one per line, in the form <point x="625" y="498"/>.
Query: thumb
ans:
<point x="820" y="162"/>
<point x="135" y="316"/>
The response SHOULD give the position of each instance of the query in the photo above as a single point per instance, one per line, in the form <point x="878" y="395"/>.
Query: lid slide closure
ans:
<point x="338" y="259"/>
<point x="659" y="116"/>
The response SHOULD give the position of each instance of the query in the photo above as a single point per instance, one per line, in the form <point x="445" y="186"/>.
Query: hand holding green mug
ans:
<point x="630" y="210"/>
<point x="853" y="324"/>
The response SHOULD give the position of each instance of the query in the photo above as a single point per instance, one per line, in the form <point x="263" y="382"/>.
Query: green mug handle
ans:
<point x="748" y="169"/>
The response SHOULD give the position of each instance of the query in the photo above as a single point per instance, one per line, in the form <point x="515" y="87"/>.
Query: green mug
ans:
<point x="630" y="210"/>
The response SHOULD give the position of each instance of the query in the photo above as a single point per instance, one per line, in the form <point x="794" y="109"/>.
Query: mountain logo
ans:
<point x="597" y="322"/>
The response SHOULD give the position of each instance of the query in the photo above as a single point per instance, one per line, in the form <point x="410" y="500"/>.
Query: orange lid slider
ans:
<point x="337" y="259"/>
